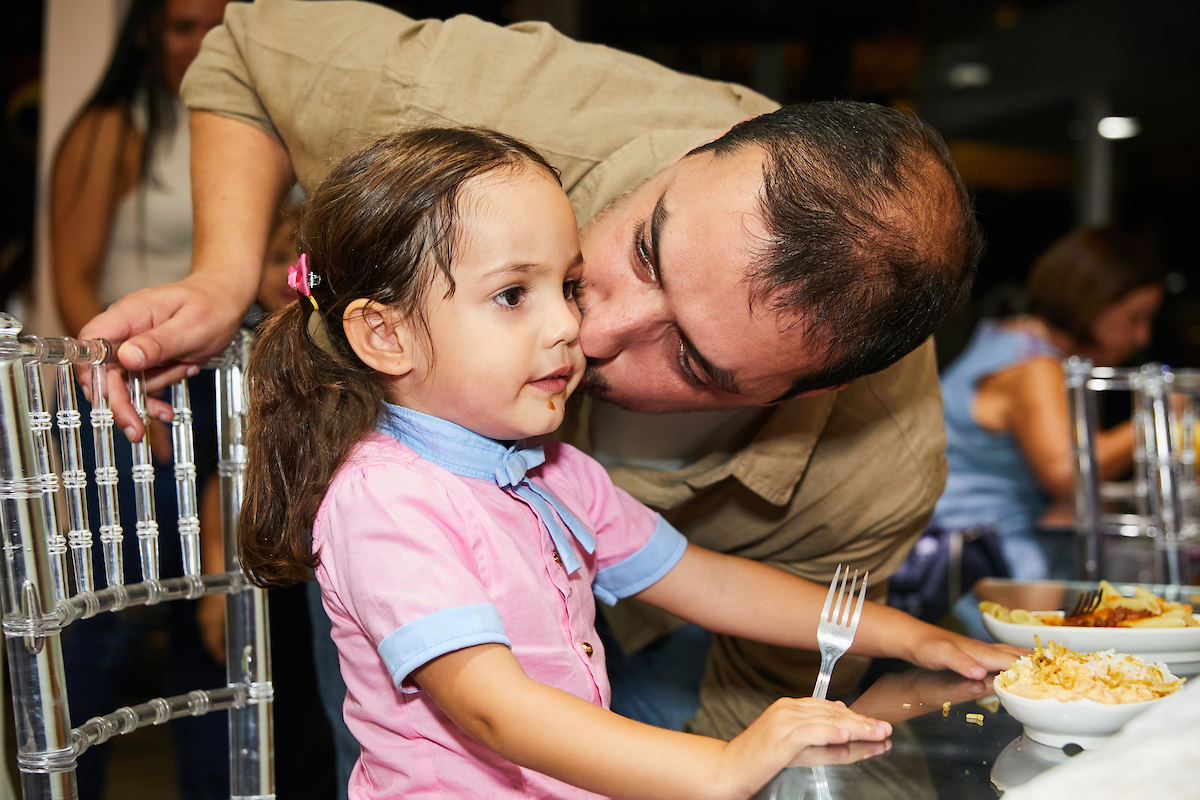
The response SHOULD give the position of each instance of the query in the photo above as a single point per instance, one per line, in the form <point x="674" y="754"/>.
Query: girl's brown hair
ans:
<point x="1085" y="272"/>
<point x="381" y="226"/>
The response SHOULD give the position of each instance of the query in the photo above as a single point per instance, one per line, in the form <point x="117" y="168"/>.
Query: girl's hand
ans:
<point x="938" y="648"/>
<point x="783" y="733"/>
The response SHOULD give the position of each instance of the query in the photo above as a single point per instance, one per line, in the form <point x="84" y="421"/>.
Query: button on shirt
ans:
<point x="417" y="561"/>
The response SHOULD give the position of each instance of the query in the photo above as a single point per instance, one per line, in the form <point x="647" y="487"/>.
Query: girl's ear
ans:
<point x="379" y="336"/>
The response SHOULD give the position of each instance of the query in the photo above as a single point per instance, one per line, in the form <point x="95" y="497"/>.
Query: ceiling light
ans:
<point x="969" y="75"/>
<point x="1119" y="127"/>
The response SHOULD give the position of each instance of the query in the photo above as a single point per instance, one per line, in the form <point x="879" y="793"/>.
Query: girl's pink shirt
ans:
<point x="399" y="539"/>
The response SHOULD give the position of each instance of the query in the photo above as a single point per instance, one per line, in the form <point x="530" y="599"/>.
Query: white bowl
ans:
<point x="1172" y="645"/>
<point x="1082" y="722"/>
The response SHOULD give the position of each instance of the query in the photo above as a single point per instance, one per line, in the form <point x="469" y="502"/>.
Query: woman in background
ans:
<point x="121" y="220"/>
<point x="1093" y="294"/>
<point x="120" y="201"/>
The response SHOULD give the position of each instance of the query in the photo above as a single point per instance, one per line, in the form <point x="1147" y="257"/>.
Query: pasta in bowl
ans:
<point x="1144" y="625"/>
<point x="1061" y="696"/>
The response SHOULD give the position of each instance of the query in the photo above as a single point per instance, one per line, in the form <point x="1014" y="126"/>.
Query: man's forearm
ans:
<point x="239" y="176"/>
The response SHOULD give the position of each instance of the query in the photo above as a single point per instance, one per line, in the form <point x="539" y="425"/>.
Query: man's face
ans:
<point x="668" y="323"/>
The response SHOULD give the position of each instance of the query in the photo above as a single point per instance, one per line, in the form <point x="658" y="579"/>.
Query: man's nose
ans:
<point x="611" y="324"/>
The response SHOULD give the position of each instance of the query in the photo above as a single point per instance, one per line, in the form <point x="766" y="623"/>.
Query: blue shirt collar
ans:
<point x="449" y="445"/>
<point x="471" y="455"/>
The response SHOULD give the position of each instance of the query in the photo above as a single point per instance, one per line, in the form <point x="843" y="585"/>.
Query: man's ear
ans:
<point x="379" y="336"/>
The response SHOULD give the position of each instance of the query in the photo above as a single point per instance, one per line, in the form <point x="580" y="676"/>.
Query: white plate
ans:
<point x="1083" y="722"/>
<point x="1172" y="645"/>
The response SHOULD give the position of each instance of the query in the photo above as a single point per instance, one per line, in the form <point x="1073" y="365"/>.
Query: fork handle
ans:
<point x="822" y="687"/>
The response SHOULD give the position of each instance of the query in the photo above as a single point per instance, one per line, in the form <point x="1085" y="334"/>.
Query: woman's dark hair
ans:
<point x="135" y="74"/>
<point x="382" y="226"/>
<point x="1085" y="272"/>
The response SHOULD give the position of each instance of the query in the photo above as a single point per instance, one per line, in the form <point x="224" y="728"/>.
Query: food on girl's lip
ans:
<point x="1054" y="672"/>
<point x="1144" y="610"/>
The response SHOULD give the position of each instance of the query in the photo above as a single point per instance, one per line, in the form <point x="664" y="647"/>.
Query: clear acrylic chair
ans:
<point x="1158" y="507"/>
<point x="48" y="578"/>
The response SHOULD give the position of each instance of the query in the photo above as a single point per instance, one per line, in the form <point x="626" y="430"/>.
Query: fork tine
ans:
<point x="862" y="597"/>
<point x="846" y="600"/>
<point x="840" y="603"/>
<point x="832" y="592"/>
<point x="1086" y="602"/>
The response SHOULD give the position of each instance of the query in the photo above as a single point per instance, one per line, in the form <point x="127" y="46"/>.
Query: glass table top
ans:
<point x="936" y="750"/>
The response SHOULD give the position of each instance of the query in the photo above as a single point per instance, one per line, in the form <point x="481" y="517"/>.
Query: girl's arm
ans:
<point x="487" y="693"/>
<point x="1033" y="407"/>
<point x="745" y="598"/>
<point x="96" y="166"/>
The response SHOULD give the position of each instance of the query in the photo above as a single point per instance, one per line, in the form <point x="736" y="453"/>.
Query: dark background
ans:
<point x="1011" y="137"/>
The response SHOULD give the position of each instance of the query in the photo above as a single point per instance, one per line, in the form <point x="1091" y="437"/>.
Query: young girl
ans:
<point x="390" y="415"/>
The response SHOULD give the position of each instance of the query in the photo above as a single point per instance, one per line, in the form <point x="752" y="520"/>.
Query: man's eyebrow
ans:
<point x="723" y="379"/>
<point x="657" y="219"/>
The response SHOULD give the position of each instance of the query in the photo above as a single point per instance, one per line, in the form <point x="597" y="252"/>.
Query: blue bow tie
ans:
<point x="471" y="455"/>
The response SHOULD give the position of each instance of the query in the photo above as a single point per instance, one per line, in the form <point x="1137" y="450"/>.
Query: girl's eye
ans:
<point x="511" y="297"/>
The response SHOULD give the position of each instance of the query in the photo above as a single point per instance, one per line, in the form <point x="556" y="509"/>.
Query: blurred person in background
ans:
<point x="1093" y="294"/>
<point x="121" y="220"/>
<point x="305" y="767"/>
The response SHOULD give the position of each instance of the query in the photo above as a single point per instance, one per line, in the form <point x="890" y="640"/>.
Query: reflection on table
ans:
<point x="935" y="750"/>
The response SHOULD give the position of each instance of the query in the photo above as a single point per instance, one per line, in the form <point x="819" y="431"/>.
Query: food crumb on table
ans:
<point x="976" y="719"/>
<point x="946" y="709"/>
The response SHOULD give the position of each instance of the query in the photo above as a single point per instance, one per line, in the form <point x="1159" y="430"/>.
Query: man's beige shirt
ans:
<point x="843" y="477"/>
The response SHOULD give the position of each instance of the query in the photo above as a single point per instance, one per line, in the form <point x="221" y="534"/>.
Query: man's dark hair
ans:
<point x="872" y="238"/>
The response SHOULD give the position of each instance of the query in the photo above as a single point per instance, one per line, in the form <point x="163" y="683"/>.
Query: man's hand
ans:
<point x="168" y="331"/>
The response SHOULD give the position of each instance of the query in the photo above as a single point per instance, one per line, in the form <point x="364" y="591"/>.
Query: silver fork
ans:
<point x="836" y="631"/>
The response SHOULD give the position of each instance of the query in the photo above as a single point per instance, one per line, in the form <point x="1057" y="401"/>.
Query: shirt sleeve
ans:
<point x="324" y="77"/>
<point x="395" y="560"/>
<point x="315" y="76"/>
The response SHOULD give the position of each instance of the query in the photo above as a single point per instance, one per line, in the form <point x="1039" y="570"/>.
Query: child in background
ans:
<point x="387" y="450"/>
<point x="305" y="766"/>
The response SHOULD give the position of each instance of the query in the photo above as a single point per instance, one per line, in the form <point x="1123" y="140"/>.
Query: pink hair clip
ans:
<point x="301" y="280"/>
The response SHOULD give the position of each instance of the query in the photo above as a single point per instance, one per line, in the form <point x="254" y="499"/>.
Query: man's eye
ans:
<point x="643" y="253"/>
<point x="571" y="288"/>
<point x="685" y="367"/>
<point x="510" y="297"/>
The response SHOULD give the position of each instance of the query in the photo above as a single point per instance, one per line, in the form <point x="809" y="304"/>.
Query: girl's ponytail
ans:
<point x="308" y="407"/>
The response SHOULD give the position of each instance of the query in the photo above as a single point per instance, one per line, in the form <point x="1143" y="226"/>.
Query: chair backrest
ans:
<point x="1161" y="499"/>
<point x="47" y="541"/>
